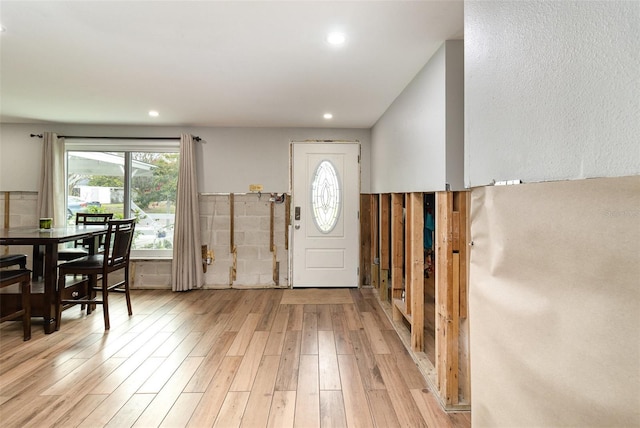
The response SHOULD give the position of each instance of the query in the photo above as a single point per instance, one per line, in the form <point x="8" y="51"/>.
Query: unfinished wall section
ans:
<point x="259" y="237"/>
<point x="18" y="209"/>
<point x="247" y="238"/>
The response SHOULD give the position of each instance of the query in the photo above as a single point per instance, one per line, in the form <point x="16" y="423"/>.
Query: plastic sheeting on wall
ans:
<point x="555" y="304"/>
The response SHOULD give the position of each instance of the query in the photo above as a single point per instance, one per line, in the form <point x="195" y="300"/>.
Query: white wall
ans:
<point x="230" y="158"/>
<point x="409" y="142"/>
<point x="552" y="90"/>
<point x="552" y="94"/>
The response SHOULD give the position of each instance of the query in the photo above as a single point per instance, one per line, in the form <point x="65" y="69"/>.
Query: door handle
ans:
<point x="297" y="226"/>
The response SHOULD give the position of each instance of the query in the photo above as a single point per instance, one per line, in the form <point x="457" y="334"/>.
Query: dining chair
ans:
<point x="23" y="278"/>
<point x="115" y="257"/>
<point x="81" y="248"/>
<point x="13" y="260"/>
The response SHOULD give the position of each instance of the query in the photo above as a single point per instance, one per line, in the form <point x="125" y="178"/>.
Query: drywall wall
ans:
<point x="555" y="304"/>
<point x="230" y="159"/>
<point x="409" y="142"/>
<point x="552" y="90"/>
<point x="454" y="81"/>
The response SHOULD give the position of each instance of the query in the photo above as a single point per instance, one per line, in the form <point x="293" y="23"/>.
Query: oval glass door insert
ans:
<point x="325" y="197"/>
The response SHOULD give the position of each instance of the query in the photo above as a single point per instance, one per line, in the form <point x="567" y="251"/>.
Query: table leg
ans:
<point x="50" y="284"/>
<point x="37" y="261"/>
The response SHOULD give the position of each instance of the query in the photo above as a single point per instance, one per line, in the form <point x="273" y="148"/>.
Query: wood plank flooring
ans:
<point x="222" y="358"/>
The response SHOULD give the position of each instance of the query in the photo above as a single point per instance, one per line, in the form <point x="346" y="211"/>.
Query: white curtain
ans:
<point x="51" y="194"/>
<point x="186" y="272"/>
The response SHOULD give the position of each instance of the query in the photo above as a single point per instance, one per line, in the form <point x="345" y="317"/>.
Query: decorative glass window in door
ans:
<point x="325" y="197"/>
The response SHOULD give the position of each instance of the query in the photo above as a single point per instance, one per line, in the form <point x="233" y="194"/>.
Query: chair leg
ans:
<point x="105" y="302"/>
<point x="126" y="289"/>
<point x="26" y="305"/>
<point x="92" y="282"/>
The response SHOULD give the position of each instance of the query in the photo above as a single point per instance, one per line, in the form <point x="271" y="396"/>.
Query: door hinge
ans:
<point x="358" y="215"/>
<point x="358" y="271"/>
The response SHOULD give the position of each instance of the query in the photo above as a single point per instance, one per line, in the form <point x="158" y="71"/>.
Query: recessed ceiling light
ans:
<point x="153" y="113"/>
<point x="336" y="38"/>
<point x="328" y="116"/>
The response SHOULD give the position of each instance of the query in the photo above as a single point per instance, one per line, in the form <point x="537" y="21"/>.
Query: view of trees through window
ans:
<point x="96" y="183"/>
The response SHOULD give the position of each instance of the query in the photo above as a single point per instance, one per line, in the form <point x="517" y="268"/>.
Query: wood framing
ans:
<point x="375" y="242"/>
<point x="384" y="247"/>
<point x="397" y="245"/>
<point x="452" y="359"/>
<point x="414" y="266"/>
<point x="365" y="239"/>
<point x="401" y="220"/>
<point x="287" y="220"/>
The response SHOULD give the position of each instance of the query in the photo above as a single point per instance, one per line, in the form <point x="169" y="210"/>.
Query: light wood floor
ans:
<point x="225" y="358"/>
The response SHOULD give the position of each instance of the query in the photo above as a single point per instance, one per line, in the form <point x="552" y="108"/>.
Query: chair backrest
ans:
<point x="117" y="246"/>
<point x="92" y="219"/>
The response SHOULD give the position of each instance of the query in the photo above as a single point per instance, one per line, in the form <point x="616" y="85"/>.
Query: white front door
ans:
<point x="325" y="205"/>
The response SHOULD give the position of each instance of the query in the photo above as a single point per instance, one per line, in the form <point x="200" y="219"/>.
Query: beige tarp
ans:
<point x="555" y="304"/>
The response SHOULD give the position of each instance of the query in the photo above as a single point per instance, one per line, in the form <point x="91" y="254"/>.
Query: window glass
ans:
<point x="325" y="197"/>
<point x="97" y="181"/>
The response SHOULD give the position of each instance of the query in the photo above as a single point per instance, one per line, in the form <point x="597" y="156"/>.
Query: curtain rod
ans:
<point x="118" y="138"/>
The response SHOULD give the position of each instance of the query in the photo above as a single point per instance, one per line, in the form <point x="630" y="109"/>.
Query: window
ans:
<point x="325" y="197"/>
<point x="129" y="179"/>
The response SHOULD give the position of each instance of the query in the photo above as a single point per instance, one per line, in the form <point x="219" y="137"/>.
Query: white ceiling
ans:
<point x="214" y="63"/>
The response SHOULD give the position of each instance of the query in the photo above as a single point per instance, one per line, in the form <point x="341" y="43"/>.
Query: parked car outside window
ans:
<point x="75" y="204"/>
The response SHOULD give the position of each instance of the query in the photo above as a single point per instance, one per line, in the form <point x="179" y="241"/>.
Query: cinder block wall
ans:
<point x="252" y="220"/>
<point x="22" y="212"/>
<point x="252" y="217"/>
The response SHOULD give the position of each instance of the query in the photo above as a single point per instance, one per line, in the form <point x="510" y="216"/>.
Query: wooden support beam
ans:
<point x="444" y="272"/>
<point x="385" y="230"/>
<point x="231" y="222"/>
<point x="397" y="245"/>
<point x="287" y="220"/>
<point x="365" y="239"/>
<point x="415" y="268"/>
<point x="233" y="269"/>
<point x="384" y="248"/>
<point x="453" y="334"/>
<point x="271" y="224"/>
<point x="374" y="257"/>
<point x="463" y="209"/>
<point x="276" y="266"/>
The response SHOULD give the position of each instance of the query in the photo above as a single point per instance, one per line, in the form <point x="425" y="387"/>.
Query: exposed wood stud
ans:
<point x="231" y="222"/>
<point x="287" y="220"/>
<point x="365" y="239"/>
<point x="415" y="268"/>
<point x="397" y="247"/>
<point x="375" y="260"/>
<point x="271" y="224"/>
<point x="464" y="252"/>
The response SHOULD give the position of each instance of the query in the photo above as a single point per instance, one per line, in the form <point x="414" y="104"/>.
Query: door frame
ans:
<point x="291" y="213"/>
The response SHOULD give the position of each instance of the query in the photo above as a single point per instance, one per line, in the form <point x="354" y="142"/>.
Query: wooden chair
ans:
<point x="117" y="247"/>
<point x="12" y="260"/>
<point x="80" y="248"/>
<point x="23" y="278"/>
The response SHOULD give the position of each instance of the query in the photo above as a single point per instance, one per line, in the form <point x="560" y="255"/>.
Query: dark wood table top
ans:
<point x="35" y="236"/>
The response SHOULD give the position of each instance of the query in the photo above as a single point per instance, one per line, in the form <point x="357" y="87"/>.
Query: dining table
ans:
<point x="45" y="244"/>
